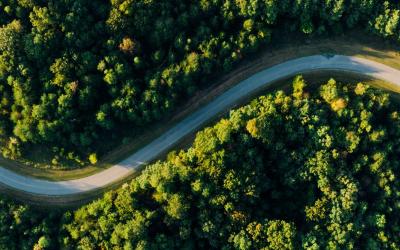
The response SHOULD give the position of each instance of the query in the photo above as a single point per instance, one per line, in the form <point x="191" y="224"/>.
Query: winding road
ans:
<point x="196" y="120"/>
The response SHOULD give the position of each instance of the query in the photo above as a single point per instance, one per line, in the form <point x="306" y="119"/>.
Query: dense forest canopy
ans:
<point x="73" y="72"/>
<point x="24" y="228"/>
<point x="309" y="169"/>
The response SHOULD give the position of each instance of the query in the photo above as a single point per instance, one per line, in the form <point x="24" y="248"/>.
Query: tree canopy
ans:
<point x="314" y="168"/>
<point x="23" y="227"/>
<point x="73" y="73"/>
<point x="310" y="169"/>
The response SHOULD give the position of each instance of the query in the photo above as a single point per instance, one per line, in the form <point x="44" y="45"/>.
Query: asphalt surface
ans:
<point x="196" y="120"/>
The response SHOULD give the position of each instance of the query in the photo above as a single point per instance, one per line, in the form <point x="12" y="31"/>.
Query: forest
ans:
<point x="311" y="168"/>
<point x="77" y="73"/>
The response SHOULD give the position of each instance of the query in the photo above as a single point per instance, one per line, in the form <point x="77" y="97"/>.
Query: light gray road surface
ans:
<point x="196" y="120"/>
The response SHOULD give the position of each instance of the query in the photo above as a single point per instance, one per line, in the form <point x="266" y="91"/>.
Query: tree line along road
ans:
<point x="194" y="121"/>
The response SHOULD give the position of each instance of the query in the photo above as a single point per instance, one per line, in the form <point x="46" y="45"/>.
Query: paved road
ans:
<point x="196" y="120"/>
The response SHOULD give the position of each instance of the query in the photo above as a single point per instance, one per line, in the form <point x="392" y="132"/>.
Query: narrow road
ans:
<point x="196" y="120"/>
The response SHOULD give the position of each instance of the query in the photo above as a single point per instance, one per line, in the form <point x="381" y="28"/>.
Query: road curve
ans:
<point x="196" y="120"/>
